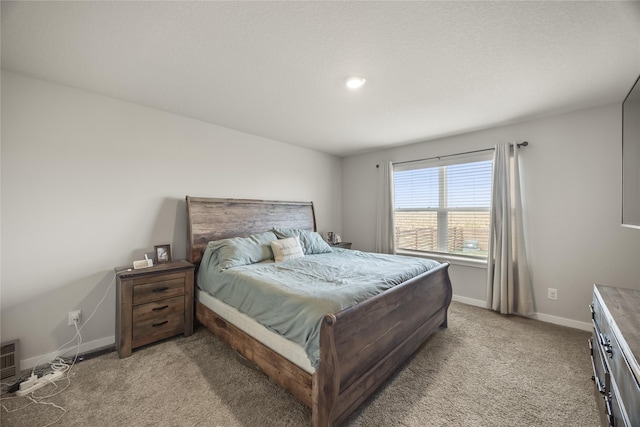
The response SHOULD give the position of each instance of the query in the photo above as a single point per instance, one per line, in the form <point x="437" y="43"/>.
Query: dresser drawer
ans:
<point x="628" y="390"/>
<point x="601" y="375"/>
<point x="155" y="288"/>
<point x="157" y="325"/>
<point x="599" y="320"/>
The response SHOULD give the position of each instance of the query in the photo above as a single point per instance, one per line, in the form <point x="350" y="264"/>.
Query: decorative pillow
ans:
<point x="285" y="249"/>
<point x="312" y="242"/>
<point x="243" y="250"/>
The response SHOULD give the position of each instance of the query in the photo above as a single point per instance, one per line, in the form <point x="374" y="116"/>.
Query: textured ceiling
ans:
<point x="276" y="69"/>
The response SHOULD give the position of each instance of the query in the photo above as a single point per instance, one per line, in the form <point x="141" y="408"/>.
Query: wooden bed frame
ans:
<point x="360" y="346"/>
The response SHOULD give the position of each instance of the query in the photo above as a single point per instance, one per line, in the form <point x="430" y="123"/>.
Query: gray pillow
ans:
<point x="243" y="250"/>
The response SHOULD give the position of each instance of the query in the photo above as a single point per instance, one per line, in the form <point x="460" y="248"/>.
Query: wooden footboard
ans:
<point x="364" y="344"/>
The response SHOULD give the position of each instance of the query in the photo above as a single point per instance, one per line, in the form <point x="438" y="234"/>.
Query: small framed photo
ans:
<point x="162" y="254"/>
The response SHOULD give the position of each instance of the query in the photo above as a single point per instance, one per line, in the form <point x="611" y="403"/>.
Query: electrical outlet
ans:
<point x="552" y="293"/>
<point x="74" y="316"/>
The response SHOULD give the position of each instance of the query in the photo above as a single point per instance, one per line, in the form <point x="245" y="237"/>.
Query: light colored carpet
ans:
<point x="484" y="370"/>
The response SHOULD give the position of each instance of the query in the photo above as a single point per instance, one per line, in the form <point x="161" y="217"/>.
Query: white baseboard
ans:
<point x="563" y="321"/>
<point x="537" y="316"/>
<point x="69" y="351"/>
<point x="103" y="342"/>
<point x="470" y="301"/>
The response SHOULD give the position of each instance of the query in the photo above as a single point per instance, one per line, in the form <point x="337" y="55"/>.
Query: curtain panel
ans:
<point x="508" y="281"/>
<point x="385" y="230"/>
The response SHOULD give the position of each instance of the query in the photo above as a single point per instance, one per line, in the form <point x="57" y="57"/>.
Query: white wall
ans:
<point x="90" y="183"/>
<point x="572" y="186"/>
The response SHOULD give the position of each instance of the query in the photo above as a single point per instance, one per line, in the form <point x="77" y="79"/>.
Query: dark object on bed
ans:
<point x="360" y="346"/>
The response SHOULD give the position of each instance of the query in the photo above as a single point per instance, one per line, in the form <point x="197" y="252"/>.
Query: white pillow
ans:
<point x="285" y="249"/>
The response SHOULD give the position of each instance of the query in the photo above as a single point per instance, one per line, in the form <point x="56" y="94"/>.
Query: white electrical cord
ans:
<point x="64" y="411"/>
<point x="85" y="322"/>
<point x="58" y="364"/>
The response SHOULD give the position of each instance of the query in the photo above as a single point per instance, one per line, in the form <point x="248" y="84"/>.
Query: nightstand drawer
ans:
<point x="158" y="309"/>
<point x="166" y="286"/>
<point x="157" y="325"/>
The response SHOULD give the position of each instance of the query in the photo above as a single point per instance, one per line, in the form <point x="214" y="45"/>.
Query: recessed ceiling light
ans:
<point x="355" y="82"/>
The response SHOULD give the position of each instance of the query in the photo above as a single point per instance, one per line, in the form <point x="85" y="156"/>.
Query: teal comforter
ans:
<point x="293" y="296"/>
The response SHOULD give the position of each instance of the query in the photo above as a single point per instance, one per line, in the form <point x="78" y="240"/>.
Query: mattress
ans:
<point x="276" y="342"/>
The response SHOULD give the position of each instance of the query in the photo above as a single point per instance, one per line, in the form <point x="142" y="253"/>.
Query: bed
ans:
<point x="359" y="346"/>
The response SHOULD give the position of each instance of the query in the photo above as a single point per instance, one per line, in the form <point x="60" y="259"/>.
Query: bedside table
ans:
<point x="341" y="245"/>
<point x="152" y="304"/>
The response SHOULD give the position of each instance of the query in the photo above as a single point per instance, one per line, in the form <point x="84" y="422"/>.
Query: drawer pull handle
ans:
<point x="159" y="308"/>
<point x="161" y="289"/>
<point x="606" y="344"/>
<point x="593" y="313"/>
<point x="160" y="323"/>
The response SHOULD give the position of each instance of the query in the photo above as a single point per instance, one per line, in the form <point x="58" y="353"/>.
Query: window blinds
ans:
<point x="443" y="206"/>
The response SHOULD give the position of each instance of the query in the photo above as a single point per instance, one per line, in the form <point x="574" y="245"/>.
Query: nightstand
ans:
<point x="342" y="245"/>
<point x="152" y="304"/>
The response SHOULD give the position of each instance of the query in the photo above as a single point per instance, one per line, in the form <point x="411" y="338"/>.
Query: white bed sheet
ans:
<point x="276" y="342"/>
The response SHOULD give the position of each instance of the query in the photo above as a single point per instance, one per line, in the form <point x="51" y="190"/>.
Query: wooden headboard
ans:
<point x="214" y="219"/>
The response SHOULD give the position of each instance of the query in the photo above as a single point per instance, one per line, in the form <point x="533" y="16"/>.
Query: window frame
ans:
<point x="442" y="211"/>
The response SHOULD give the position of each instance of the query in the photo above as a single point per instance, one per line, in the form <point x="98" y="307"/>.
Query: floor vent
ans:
<point x="9" y="360"/>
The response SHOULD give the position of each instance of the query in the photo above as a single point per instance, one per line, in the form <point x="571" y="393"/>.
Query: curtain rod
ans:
<point x="522" y="144"/>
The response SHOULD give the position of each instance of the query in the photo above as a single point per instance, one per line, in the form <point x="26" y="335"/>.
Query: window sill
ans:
<point x="451" y="259"/>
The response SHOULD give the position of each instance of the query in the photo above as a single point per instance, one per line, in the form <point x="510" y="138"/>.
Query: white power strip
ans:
<point x="34" y="383"/>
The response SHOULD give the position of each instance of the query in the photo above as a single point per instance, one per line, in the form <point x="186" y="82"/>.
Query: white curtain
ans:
<point x="508" y="282"/>
<point x="385" y="231"/>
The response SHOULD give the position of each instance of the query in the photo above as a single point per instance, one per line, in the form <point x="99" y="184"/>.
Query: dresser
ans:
<point x="152" y="304"/>
<point x="615" y="352"/>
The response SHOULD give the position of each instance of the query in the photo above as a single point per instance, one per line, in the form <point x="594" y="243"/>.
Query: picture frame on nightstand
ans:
<point x="162" y="254"/>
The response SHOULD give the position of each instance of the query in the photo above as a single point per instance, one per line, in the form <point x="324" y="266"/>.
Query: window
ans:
<point x="444" y="206"/>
